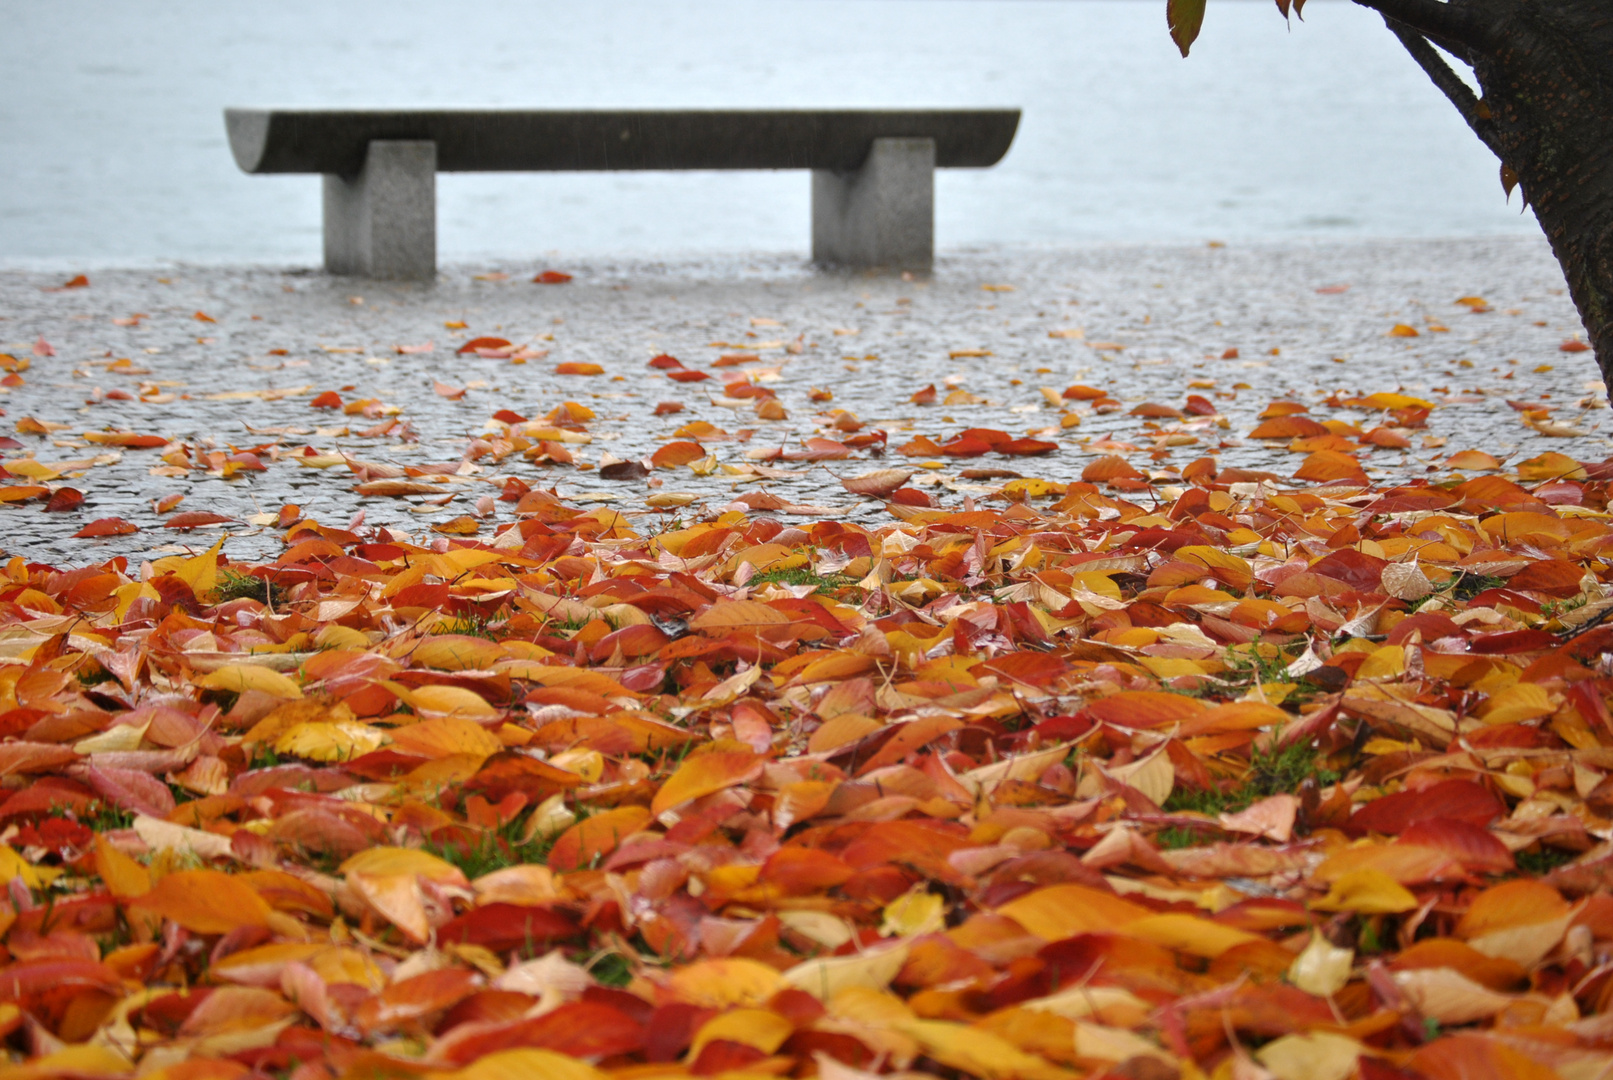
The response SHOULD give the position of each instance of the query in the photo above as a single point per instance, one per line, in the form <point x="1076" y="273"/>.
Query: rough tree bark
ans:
<point x="1546" y="71"/>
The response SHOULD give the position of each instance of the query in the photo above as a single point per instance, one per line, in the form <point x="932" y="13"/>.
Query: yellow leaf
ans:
<point x="201" y="572"/>
<point x="827" y="976"/>
<point x="239" y="678"/>
<point x="444" y="735"/>
<point x="1386" y="662"/>
<point x="14" y="865"/>
<point x="1517" y="703"/>
<point x="1229" y="569"/>
<point x="1367" y="892"/>
<point x="761" y="1029"/>
<point x="1383" y="400"/>
<point x="1321" y="968"/>
<point x="1062" y="911"/>
<point x="527" y="1063"/>
<point x="1319" y="1055"/>
<point x="1189" y="934"/>
<point x="84" y="1059"/>
<point x="341" y="740"/>
<point x="917" y="911"/>
<point x="398" y="860"/>
<point x="977" y="1052"/>
<point x="719" y="984"/>
<point x="444" y="700"/>
<point x="205" y="902"/>
<point x="456" y="652"/>
<point x="125" y="878"/>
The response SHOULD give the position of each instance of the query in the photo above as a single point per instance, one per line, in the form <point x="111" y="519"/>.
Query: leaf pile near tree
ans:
<point x="1233" y="779"/>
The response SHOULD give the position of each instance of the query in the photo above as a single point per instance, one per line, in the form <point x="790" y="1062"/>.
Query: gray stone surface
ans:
<point x="382" y="221"/>
<point x="280" y="337"/>
<point x="881" y="215"/>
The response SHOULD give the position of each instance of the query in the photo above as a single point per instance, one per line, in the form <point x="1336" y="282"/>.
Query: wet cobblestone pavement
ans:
<point x="220" y="361"/>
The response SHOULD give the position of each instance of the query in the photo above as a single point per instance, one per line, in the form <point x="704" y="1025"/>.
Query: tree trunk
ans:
<point x="1546" y="71"/>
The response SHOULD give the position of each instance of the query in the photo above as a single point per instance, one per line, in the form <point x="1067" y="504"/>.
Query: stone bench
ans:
<point x="873" y="171"/>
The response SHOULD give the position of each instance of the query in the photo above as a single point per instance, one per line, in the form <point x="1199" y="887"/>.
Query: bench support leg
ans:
<point x="382" y="223"/>
<point x="882" y="215"/>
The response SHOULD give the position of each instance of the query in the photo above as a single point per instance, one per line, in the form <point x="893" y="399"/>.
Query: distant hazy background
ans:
<point x="114" y="151"/>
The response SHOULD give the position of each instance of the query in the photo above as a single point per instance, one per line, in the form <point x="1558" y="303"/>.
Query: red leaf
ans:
<point x="582" y="1029"/>
<point x="330" y="399"/>
<point x="624" y="470"/>
<point x="483" y="343"/>
<point x="1512" y="641"/>
<point x="687" y="375"/>
<point x="1573" y="346"/>
<point x="1475" y="848"/>
<point x="110" y="526"/>
<point x="666" y="362"/>
<point x="552" y="277"/>
<point x="667" y="408"/>
<point x="64" y="499"/>
<point x="1027" y="447"/>
<point x="502" y="927"/>
<point x="1459" y="800"/>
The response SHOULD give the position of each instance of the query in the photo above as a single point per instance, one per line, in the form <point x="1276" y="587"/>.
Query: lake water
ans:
<point x="114" y="149"/>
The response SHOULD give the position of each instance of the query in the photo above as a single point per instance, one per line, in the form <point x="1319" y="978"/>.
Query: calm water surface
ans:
<point x="114" y="150"/>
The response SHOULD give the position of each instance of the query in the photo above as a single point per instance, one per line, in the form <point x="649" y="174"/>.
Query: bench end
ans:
<point x="248" y="131"/>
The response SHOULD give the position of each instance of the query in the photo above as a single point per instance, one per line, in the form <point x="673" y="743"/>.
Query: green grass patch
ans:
<point x="1543" y="860"/>
<point x="495" y="850"/>
<point x="468" y="626"/>
<point x="234" y="585"/>
<point x="1270" y="773"/>
<point x="800" y="575"/>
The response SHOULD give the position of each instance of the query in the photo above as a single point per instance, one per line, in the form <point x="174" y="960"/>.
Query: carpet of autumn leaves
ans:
<point x="1230" y="780"/>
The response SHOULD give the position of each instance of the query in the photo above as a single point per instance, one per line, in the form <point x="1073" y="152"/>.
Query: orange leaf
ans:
<point x="879" y="482"/>
<point x="204" y="902"/>
<point x="674" y="454"/>
<point x="572" y="367"/>
<point x="600" y="834"/>
<point x="735" y="614"/>
<point x="703" y="774"/>
<point x="111" y="526"/>
<point x="1326" y="465"/>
